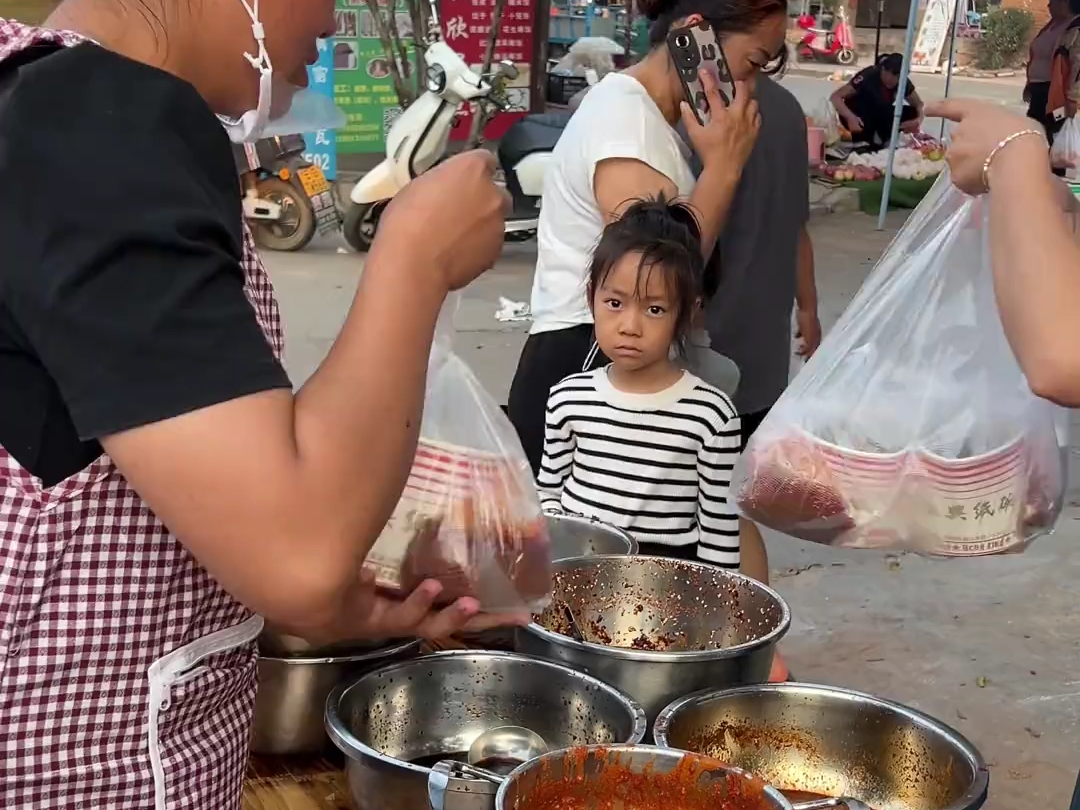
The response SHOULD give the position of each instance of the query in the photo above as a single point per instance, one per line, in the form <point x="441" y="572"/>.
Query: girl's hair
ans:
<point x="667" y="237"/>
<point x="725" y="16"/>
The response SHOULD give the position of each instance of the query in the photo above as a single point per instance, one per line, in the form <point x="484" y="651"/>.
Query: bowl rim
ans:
<point x="570" y="517"/>
<point x="299" y="659"/>
<point x="972" y="799"/>
<point x="660" y="656"/>
<point x="355" y="749"/>
<point x="631" y="748"/>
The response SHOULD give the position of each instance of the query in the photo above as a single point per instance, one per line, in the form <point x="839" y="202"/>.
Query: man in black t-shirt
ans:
<point x="866" y="102"/>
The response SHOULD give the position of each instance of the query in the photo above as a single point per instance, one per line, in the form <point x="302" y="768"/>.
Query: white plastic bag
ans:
<point x="1065" y="153"/>
<point x="912" y="426"/>
<point x="826" y="117"/>
<point x="470" y="515"/>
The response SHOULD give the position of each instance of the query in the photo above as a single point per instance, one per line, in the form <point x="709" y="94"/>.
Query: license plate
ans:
<point x="313" y="180"/>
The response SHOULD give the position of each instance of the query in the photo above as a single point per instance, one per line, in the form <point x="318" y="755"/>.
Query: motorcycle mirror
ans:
<point x="508" y="69"/>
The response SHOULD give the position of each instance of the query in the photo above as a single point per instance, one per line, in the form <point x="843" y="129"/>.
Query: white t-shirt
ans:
<point x="616" y="119"/>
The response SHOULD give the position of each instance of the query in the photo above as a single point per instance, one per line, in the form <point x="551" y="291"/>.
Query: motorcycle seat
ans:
<point x="533" y="133"/>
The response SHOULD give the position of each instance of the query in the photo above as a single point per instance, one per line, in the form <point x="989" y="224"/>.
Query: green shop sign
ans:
<point x="363" y="88"/>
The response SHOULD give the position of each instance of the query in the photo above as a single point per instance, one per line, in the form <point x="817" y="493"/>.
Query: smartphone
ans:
<point x="695" y="48"/>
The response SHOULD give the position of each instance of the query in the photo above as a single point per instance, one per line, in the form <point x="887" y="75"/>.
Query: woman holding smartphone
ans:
<point x="621" y="145"/>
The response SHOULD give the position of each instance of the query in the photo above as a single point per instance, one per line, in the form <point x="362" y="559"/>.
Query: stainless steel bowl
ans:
<point x="542" y="781"/>
<point x="706" y="626"/>
<point x="292" y="695"/>
<point x="833" y="742"/>
<point x="279" y="644"/>
<point x="575" y="536"/>
<point x="394" y="723"/>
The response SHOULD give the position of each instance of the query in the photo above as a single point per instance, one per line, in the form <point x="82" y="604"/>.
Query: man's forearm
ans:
<point x="1036" y="278"/>
<point x="841" y="106"/>
<point x="805" y="282"/>
<point x="358" y="417"/>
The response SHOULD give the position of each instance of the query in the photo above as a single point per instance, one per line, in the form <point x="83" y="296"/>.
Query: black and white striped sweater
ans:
<point x="657" y="465"/>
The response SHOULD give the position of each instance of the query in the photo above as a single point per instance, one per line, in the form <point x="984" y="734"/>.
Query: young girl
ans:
<point x="641" y="443"/>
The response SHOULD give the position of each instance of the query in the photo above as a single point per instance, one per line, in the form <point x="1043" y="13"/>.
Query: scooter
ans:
<point x="287" y="200"/>
<point x="419" y="137"/>
<point x="834" y="45"/>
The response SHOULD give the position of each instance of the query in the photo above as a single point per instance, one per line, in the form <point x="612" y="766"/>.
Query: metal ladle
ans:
<point x="511" y="744"/>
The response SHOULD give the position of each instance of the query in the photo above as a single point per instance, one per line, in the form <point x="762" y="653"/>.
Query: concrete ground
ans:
<point x="987" y="646"/>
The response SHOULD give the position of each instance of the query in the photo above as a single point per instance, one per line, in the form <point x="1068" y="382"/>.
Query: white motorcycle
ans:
<point x="419" y="137"/>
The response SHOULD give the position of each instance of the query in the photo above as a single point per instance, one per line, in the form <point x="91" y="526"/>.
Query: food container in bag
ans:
<point x="464" y="520"/>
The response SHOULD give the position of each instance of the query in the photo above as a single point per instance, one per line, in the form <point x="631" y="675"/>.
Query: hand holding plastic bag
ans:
<point x="913" y="426"/>
<point x="469" y="516"/>
<point x="1065" y="153"/>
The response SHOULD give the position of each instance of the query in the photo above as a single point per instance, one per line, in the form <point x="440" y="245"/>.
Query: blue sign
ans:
<point x="322" y="144"/>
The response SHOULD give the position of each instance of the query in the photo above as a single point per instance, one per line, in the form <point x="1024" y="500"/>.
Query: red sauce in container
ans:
<point x="689" y="786"/>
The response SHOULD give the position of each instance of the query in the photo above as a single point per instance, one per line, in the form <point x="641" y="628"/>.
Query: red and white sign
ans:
<point x="467" y="26"/>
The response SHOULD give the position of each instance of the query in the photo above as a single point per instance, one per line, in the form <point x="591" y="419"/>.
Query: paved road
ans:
<point x="988" y="646"/>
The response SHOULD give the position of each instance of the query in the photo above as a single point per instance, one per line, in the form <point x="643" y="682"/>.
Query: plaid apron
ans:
<point x="127" y="674"/>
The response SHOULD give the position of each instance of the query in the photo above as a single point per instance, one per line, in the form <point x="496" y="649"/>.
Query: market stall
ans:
<point x="608" y="668"/>
<point x="916" y="164"/>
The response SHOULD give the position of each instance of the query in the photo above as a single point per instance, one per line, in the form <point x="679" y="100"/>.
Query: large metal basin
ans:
<point x="709" y="627"/>
<point x="831" y="742"/>
<point x="293" y="690"/>
<point x="433" y="707"/>
<point x="576" y="536"/>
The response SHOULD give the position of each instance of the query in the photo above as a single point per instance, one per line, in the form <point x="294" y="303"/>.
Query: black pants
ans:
<point x="1038" y="97"/>
<point x="546" y="360"/>
<point x="877" y="122"/>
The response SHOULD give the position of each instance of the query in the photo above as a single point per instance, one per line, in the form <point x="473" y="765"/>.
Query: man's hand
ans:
<point x="466" y="243"/>
<point x="808" y="330"/>
<point x="912" y="126"/>
<point x="371" y="615"/>
<point x="854" y="124"/>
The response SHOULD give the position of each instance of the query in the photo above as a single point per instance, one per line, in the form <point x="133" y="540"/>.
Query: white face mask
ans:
<point x="250" y="126"/>
<point x="282" y="108"/>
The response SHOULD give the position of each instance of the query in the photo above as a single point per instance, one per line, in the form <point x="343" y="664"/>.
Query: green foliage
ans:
<point x="1005" y="36"/>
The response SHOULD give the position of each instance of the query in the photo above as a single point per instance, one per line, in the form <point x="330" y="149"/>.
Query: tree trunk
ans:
<point x="476" y="133"/>
<point x="419" y="37"/>
<point x="401" y="51"/>
<point x="629" y="30"/>
<point x="401" y="87"/>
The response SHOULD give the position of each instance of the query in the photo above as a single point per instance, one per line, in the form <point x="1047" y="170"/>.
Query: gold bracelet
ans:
<point x="1001" y="145"/>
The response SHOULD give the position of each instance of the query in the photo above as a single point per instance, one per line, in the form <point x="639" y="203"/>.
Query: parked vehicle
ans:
<point x="287" y="200"/>
<point x="419" y="138"/>
<point x="836" y="44"/>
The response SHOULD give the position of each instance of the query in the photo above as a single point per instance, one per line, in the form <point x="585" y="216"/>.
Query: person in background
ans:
<point x="641" y="443"/>
<point x="621" y="145"/>
<point x="1064" y="89"/>
<point x="764" y="261"/>
<point x="1034" y="250"/>
<point x="866" y="103"/>
<point x="162" y="486"/>
<point x="1040" y="66"/>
